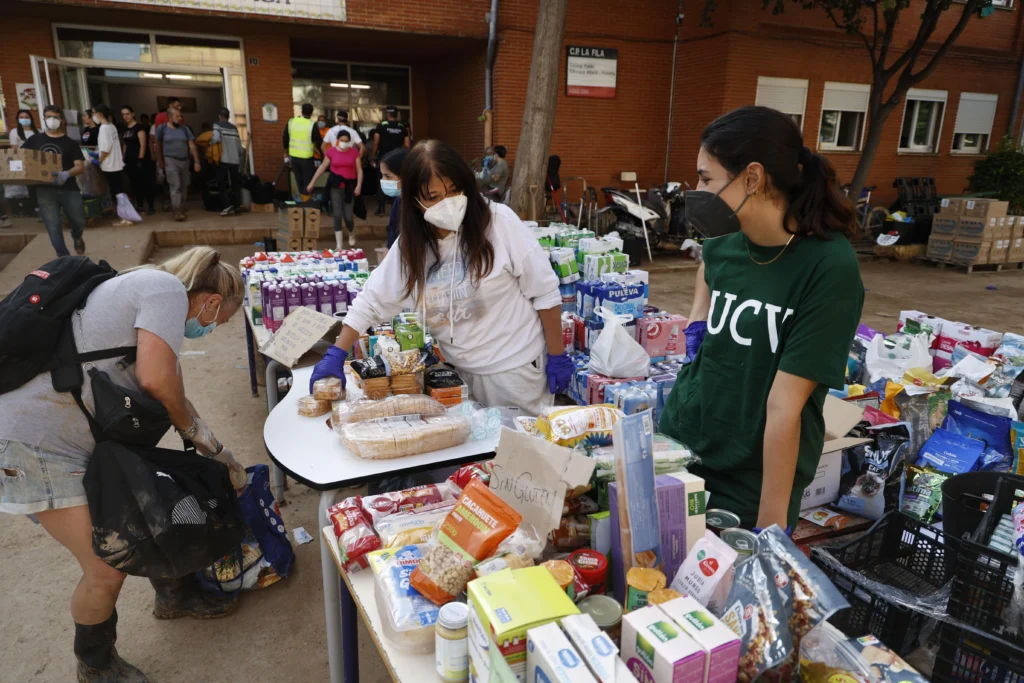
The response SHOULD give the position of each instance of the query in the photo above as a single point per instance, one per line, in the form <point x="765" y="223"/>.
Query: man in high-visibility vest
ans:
<point x="300" y="139"/>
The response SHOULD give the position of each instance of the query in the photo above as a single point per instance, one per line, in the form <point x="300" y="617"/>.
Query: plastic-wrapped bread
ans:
<point x="361" y="410"/>
<point x="328" y="389"/>
<point x="310" y="406"/>
<point x="396" y="437"/>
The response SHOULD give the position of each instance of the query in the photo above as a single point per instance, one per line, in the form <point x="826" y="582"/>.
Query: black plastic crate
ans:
<point x="966" y="657"/>
<point x="983" y="583"/>
<point x="897" y="551"/>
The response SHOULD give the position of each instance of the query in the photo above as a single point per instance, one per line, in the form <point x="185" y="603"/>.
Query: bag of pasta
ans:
<point x="471" y="532"/>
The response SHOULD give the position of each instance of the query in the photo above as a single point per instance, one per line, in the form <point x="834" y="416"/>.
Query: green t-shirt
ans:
<point x="797" y="314"/>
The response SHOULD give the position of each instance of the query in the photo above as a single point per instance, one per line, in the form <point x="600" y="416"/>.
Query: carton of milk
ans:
<point x="718" y="640"/>
<point x="595" y="647"/>
<point x="551" y="657"/>
<point x="657" y="650"/>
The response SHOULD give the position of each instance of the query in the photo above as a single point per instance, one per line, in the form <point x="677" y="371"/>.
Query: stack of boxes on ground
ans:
<point x="975" y="232"/>
<point x="299" y="229"/>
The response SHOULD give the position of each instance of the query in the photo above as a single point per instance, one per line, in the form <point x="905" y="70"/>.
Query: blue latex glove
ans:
<point x="60" y="178"/>
<point x="559" y="370"/>
<point x="694" y="334"/>
<point x="331" y="365"/>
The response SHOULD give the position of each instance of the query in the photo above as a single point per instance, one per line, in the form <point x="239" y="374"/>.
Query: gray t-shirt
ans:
<point x="226" y="133"/>
<point x="175" y="140"/>
<point x="151" y="300"/>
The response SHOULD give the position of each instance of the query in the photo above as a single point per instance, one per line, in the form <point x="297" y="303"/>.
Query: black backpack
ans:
<point x="34" y="317"/>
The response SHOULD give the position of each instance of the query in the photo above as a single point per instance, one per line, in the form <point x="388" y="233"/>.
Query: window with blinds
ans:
<point x="973" y="126"/>
<point x="923" y="111"/>
<point x="844" y="109"/>
<point x="788" y="95"/>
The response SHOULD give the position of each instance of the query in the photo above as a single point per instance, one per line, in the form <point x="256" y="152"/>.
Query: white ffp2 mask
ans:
<point x="448" y="213"/>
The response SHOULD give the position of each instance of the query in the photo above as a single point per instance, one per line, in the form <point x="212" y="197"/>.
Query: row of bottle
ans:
<point x="279" y="298"/>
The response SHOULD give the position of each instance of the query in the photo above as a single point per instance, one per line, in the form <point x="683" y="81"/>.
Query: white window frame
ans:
<point x="984" y="144"/>
<point x="860" y="87"/>
<point x="935" y="129"/>
<point x="786" y="82"/>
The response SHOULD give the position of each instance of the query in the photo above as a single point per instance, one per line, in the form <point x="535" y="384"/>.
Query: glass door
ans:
<point x="61" y="83"/>
<point x="237" y="102"/>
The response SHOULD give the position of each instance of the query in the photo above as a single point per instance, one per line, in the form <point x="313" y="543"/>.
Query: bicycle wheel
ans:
<point x="874" y="223"/>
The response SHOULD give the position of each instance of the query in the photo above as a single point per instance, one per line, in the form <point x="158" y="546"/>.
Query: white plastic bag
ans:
<point x="890" y="358"/>
<point x="616" y="353"/>
<point x="125" y="210"/>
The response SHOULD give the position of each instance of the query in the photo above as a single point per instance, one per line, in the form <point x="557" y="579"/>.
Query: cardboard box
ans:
<point x="971" y="253"/>
<point x="28" y="166"/>
<point x="311" y="224"/>
<point x="984" y="208"/>
<point x="1000" y="251"/>
<point x="594" y="646"/>
<point x="551" y="657"/>
<point x="951" y="206"/>
<point x="840" y="417"/>
<point x="940" y="250"/>
<point x="1016" y="251"/>
<point x="656" y="650"/>
<point x="309" y="243"/>
<point x="975" y="230"/>
<point x="660" y="334"/>
<point x="291" y="221"/>
<point x="945" y="226"/>
<point x="1017" y="229"/>
<point x="718" y="640"/>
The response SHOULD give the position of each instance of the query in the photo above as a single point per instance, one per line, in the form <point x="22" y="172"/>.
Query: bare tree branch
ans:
<point x="891" y="17"/>
<point x="970" y="7"/>
<point x="929" y="19"/>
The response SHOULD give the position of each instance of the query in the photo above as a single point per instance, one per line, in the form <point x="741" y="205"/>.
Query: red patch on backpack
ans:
<point x="42" y="274"/>
<point x="34" y="299"/>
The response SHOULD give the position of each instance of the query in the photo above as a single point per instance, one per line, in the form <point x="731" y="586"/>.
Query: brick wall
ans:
<point x="271" y="81"/>
<point x="456" y="99"/>
<point x="23" y="36"/>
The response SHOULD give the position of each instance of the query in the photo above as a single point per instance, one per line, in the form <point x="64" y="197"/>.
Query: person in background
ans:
<point x="162" y="117"/>
<point x="47" y="438"/>
<point x="318" y="137"/>
<point x="489" y="295"/>
<point x="145" y="120"/>
<point x="344" y="184"/>
<point x="137" y="160"/>
<point x="391" y="184"/>
<point x="494" y="174"/>
<point x="111" y="161"/>
<point x="23" y="129"/>
<point x="174" y="145"/>
<point x="389" y="135"/>
<point x="775" y="307"/>
<point x="300" y="139"/>
<point x="90" y="131"/>
<point x="332" y="135"/>
<point x="204" y="138"/>
<point x="63" y="194"/>
<point x="229" y="182"/>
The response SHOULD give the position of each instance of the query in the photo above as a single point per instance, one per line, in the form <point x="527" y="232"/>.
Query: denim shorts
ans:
<point x="32" y="480"/>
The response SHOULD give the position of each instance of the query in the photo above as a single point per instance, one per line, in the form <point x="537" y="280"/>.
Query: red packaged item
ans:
<point x="591" y="568"/>
<point x="355" y="533"/>
<point x="380" y="506"/>
<point x="467" y="473"/>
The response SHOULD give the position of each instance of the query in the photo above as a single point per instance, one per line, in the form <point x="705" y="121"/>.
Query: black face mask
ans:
<point x="710" y="215"/>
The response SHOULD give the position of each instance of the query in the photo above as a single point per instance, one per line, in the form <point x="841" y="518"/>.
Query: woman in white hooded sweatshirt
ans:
<point x="490" y="295"/>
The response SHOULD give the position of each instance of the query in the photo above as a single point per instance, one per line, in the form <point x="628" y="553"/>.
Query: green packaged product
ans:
<point x="922" y="493"/>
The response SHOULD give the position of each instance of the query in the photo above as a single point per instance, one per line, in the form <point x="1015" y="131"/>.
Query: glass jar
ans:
<point x="451" y="644"/>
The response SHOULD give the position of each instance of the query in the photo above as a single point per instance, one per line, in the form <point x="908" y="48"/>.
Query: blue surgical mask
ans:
<point x="195" y="329"/>
<point x="321" y="124"/>
<point x="390" y="187"/>
<point x="25" y="122"/>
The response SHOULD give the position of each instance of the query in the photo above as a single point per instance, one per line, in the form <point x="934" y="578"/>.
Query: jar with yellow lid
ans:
<point x="451" y="643"/>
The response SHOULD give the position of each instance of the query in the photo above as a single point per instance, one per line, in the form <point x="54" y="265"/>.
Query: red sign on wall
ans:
<point x="590" y="71"/>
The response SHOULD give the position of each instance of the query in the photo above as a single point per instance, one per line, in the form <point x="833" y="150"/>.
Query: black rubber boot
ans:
<point x="177" y="598"/>
<point x="98" y="661"/>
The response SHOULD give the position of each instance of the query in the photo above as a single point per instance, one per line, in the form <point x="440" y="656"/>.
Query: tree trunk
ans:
<point x="539" y="111"/>
<point x="876" y="125"/>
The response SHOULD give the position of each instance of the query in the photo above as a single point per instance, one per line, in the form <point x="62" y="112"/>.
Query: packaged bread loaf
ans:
<point x="361" y="410"/>
<point x="395" y="437"/>
<point x="310" y="406"/>
<point x="328" y="389"/>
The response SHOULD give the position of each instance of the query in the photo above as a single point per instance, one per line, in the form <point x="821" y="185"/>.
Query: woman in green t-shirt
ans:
<point x="779" y="296"/>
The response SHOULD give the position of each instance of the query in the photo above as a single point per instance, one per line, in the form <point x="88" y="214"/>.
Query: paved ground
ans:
<point x="278" y="634"/>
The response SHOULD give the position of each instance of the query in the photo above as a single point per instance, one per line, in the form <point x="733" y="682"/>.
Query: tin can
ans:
<point x="742" y="541"/>
<point x="606" y="613"/>
<point x="720" y="520"/>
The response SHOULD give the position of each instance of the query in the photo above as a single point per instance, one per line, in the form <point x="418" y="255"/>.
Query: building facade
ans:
<point x="617" y="108"/>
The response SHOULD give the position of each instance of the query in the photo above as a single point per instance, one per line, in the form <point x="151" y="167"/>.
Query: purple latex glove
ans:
<point x="694" y="334"/>
<point x="559" y="370"/>
<point x="331" y="365"/>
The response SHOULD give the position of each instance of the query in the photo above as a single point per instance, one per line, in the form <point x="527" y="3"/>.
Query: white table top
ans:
<point x="260" y="333"/>
<point x="310" y="452"/>
<point x="401" y="666"/>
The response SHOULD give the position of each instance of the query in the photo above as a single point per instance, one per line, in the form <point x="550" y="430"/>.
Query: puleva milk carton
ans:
<point x="657" y="650"/>
<point x="718" y="640"/>
<point x="551" y="658"/>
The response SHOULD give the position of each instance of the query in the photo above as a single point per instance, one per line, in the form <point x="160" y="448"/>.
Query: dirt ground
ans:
<point x="278" y="634"/>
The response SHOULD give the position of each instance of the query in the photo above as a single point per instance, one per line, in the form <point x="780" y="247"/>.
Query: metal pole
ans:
<point x="672" y="91"/>
<point x="1012" y="126"/>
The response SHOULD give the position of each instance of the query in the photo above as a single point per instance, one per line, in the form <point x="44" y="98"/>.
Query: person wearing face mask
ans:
<point x="63" y="194"/>
<point x="24" y="129"/>
<point x="391" y="185"/>
<point x="389" y="135"/>
<point x="111" y="160"/>
<point x="776" y="304"/>
<point x="318" y="137"/>
<point x="46" y="436"/>
<point x="494" y="174"/>
<point x="480" y="278"/>
<point x="300" y="139"/>
<point x="90" y="130"/>
<point x="332" y="135"/>
<point x="344" y="183"/>
<point x="175" y="143"/>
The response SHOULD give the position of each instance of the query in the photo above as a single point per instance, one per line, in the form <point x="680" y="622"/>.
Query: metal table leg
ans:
<point x="342" y="655"/>
<point x="277" y="474"/>
<point x="249" y="347"/>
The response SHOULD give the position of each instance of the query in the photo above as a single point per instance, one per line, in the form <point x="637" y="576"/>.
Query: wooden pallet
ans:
<point x="980" y="267"/>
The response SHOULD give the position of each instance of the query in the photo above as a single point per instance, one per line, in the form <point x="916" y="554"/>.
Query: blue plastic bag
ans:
<point x="993" y="430"/>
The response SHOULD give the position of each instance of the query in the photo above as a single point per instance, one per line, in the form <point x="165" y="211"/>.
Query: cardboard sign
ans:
<point x="303" y="328"/>
<point x="532" y="475"/>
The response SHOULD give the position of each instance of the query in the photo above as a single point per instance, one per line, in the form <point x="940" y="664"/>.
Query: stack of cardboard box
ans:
<point x="975" y="232"/>
<point x="299" y="228"/>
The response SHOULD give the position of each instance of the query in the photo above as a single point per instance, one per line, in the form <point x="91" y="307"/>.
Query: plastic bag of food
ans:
<point x="826" y="656"/>
<point x="310" y="406"/>
<point x="370" y="368"/>
<point x="872" y="472"/>
<point x="478" y="470"/>
<point x="991" y="429"/>
<point x="355" y="533"/>
<point x="328" y="389"/>
<point x="922" y="493"/>
<point x="402" y="362"/>
<point x="412" y="527"/>
<point x="395" y="437"/>
<point x="572" y="426"/>
<point x="407" y="617"/>
<point x="704" y="574"/>
<point x="364" y="409"/>
<point x="892" y="356"/>
<point x="379" y="506"/>
<point x="471" y="532"/>
<point x="573" y="532"/>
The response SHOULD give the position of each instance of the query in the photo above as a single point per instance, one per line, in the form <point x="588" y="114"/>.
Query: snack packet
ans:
<point x="379" y="506"/>
<point x="478" y="470"/>
<point x="922" y="493"/>
<point x="409" y="615"/>
<point x="356" y="536"/>
<point x="829" y="519"/>
<point x="413" y="526"/>
<point x="328" y="389"/>
<point x="572" y="426"/>
<point x="469" y="533"/>
<point x="704" y="574"/>
<point x="872" y="472"/>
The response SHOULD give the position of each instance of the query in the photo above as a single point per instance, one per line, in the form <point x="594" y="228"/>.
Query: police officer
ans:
<point x="389" y="135"/>
<point x="301" y="138"/>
